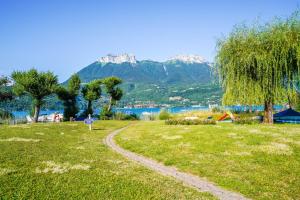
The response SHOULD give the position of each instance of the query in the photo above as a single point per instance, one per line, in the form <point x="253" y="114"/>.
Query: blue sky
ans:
<point x="64" y="36"/>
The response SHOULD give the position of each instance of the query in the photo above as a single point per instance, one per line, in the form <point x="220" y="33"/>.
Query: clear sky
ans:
<point x="64" y="36"/>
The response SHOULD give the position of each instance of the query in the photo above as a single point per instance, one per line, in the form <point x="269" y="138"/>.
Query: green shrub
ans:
<point x="246" y="120"/>
<point x="189" y="122"/>
<point x="149" y="117"/>
<point x="217" y="109"/>
<point x="123" y="116"/>
<point x="153" y="117"/>
<point x="132" y="117"/>
<point x="6" y="115"/>
<point x="105" y="113"/>
<point x="164" y="115"/>
<point x="119" y="115"/>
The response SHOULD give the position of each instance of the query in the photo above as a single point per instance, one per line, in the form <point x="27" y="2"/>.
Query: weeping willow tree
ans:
<point x="259" y="64"/>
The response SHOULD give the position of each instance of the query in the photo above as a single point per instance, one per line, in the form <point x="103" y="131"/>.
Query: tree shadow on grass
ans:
<point x="98" y="129"/>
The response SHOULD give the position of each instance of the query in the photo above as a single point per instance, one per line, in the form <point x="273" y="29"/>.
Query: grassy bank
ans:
<point x="66" y="161"/>
<point x="259" y="161"/>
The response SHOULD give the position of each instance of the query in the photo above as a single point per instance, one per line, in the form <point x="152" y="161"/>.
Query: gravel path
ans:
<point x="191" y="180"/>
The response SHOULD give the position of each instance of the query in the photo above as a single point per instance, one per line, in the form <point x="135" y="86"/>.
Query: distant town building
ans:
<point x="176" y="98"/>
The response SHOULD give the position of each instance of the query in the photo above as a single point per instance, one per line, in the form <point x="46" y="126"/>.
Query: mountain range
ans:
<point x="174" y="81"/>
<point x="177" y="70"/>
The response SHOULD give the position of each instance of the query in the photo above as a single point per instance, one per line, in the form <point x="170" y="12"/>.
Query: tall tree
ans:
<point x="258" y="64"/>
<point x="115" y="93"/>
<point x="91" y="92"/>
<point x="68" y="96"/>
<point x="5" y="95"/>
<point x="37" y="84"/>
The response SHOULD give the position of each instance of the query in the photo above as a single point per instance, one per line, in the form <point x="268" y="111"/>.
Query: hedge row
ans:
<point x="246" y="121"/>
<point x="189" y="122"/>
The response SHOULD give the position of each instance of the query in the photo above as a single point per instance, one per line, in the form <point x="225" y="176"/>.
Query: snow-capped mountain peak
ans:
<point x="118" y="59"/>
<point x="188" y="58"/>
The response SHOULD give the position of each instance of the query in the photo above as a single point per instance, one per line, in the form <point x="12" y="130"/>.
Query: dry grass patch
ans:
<point x="242" y="153"/>
<point x="5" y="171"/>
<point x="72" y="124"/>
<point x="275" y="148"/>
<point x="20" y="126"/>
<point x="19" y="139"/>
<point x="59" y="168"/>
<point x="171" y="137"/>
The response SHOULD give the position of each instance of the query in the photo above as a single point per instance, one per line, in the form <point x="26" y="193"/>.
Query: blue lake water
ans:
<point x="139" y="111"/>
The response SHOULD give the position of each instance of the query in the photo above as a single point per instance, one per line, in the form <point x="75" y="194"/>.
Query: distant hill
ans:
<point x="154" y="81"/>
<point x="173" y="71"/>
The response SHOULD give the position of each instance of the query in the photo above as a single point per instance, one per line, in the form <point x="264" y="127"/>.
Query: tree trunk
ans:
<point x="36" y="113"/>
<point x="109" y="104"/>
<point x="268" y="112"/>
<point x="89" y="108"/>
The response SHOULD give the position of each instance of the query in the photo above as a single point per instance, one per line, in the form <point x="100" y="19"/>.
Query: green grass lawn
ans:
<point x="259" y="161"/>
<point x="66" y="161"/>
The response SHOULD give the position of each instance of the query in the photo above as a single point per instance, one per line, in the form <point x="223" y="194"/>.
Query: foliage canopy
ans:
<point x="36" y="84"/>
<point x="68" y="96"/>
<point x="112" y="89"/>
<point x="261" y="62"/>
<point x="91" y="92"/>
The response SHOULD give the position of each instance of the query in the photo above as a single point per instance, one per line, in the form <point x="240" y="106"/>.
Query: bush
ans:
<point x="246" y="121"/>
<point x="119" y="115"/>
<point x="149" y="117"/>
<point x="123" y="116"/>
<point x="217" y="109"/>
<point x="164" y="115"/>
<point x="131" y="117"/>
<point x="105" y="113"/>
<point x="189" y="122"/>
<point x="6" y="115"/>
